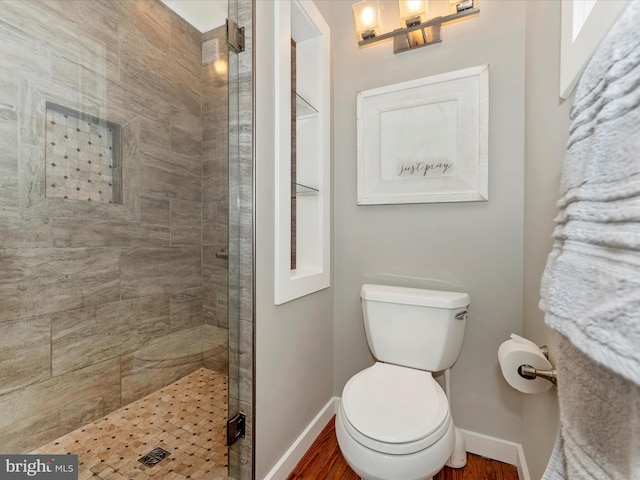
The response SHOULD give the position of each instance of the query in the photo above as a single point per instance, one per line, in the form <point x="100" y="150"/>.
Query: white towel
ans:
<point x="591" y="284"/>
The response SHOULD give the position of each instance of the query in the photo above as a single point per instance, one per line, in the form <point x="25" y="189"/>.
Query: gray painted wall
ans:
<point x="546" y="131"/>
<point x="470" y="247"/>
<point x="496" y="251"/>
<point x="294" y="341"/>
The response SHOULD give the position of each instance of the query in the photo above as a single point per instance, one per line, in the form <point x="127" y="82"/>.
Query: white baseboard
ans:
<point x="296" y="451"/>
<point x="497" y="449"/>
<point x="477" y="443"/>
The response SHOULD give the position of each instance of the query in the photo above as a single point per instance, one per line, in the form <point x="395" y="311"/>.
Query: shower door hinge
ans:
<point x="235" y="36"/>
<point x="235" y="428"/>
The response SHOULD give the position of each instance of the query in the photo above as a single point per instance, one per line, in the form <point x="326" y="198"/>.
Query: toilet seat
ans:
<point x="395" y="410"/>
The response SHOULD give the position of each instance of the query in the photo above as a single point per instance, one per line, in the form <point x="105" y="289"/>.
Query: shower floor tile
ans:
<point x="187" y="418"/>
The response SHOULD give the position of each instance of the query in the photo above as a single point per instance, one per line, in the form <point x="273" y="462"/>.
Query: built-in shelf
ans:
<point x="298" y="189"/>
<point x="304" y="109"/>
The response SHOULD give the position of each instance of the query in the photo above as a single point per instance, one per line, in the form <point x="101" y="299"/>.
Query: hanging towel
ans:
<point x="590" y="289"/>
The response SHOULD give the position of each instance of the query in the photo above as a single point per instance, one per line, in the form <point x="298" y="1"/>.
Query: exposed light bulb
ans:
<point x="367" y="16"/>
<point x="414" y="5"/>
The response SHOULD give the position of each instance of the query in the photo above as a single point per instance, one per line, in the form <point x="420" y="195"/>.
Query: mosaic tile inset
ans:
<point x="186" y="418"/>
<point x="81" y="156"/>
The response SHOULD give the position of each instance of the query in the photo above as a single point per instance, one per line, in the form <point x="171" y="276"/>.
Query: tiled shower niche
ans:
<point x="82" y="157"/>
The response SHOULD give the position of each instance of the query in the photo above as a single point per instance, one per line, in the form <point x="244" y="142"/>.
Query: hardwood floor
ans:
<point x="324" y="461"/>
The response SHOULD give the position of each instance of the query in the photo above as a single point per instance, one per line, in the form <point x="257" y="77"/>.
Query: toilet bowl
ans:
<point x="394" y="422"/>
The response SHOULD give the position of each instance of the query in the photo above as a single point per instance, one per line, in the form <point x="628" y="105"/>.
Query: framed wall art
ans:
<point x="425" y="140"/>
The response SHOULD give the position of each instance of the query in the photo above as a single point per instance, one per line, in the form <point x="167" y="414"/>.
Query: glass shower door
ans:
<point x="240" y="243"/>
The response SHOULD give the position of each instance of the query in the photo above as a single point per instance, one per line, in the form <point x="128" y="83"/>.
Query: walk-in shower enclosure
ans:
<point x="114" y="196"/>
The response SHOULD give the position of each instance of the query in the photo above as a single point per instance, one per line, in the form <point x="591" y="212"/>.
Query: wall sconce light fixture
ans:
<point x="416" y="30"/>
<point x="412" y="12"/>
<point x="367" y="16"/>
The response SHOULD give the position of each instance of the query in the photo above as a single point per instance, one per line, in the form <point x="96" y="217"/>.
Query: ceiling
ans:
<point x="204" y="15"/>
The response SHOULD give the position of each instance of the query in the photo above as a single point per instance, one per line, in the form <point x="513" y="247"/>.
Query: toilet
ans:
<point x="394" y="421"/>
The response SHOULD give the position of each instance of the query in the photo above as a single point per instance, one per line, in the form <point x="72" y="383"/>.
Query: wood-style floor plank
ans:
<point x="509" y="472"/>
<point x="324" y="461"/>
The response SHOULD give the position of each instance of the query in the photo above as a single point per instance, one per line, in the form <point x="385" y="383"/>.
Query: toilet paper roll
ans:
<point x="514" y="353"/>
<point x="526" y="341"/>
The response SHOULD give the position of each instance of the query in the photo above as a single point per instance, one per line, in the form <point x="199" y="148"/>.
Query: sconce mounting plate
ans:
<point x="425" y="37"/>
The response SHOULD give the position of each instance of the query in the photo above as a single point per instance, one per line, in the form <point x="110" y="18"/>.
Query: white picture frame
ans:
<point x="425" y="140"/>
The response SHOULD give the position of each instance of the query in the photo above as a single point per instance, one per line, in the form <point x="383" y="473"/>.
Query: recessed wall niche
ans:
<point x="303" y="181"/>
<point x="83" y="157"/>
<point x="34" y="169"/>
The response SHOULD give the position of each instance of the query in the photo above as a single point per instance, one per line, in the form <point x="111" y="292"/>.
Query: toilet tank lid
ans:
<point x="414" y="296"/>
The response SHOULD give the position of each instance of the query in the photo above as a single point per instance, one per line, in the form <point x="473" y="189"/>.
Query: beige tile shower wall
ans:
<point x="214" y="203"/>
<point x="99" y="308"/>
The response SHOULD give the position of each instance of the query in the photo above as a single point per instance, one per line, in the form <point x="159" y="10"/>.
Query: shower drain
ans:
<point x="154" y="457"/>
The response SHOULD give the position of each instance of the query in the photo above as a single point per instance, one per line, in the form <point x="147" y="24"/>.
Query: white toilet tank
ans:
<point x="413" y="327"/>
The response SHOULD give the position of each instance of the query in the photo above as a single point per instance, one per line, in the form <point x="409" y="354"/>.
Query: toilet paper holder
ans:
<point x="530" y="373"/>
